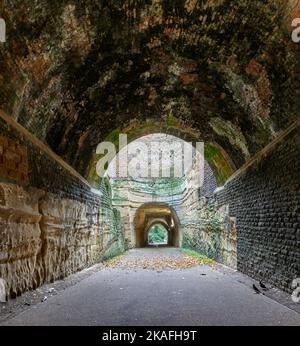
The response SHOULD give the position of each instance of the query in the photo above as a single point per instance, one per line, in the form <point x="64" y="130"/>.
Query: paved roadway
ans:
<point x="115" y="296"/>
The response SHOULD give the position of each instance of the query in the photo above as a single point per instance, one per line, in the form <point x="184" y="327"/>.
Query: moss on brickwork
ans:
<point x="98" y="66"/>
<point x="221" y="167"/>
<point x="214" y="154"/>
<point x="172" y="121"/>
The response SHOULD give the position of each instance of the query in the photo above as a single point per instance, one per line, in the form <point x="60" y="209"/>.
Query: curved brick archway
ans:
<point x="80" y="75"/>
<point x="217" y="158"/>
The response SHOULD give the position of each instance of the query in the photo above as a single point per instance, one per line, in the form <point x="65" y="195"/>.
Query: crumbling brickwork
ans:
<point x="13" y="160"/>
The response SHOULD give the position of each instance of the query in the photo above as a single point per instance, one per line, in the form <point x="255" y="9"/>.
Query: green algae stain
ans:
<point x="230" y="131"/>
<point x="172" y="121"/>
<point x="215" y="158"/>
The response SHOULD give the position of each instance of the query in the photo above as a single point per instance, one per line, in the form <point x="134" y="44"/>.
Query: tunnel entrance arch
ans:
<point x="149" y="214"/>
<point x="217" y="158"/>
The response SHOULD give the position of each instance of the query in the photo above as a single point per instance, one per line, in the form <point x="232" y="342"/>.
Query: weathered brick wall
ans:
<point x="13" y="160"/>
<point x="22" y="162"/>
<point x="209" y="182"/>
<point x="265" y="200"/>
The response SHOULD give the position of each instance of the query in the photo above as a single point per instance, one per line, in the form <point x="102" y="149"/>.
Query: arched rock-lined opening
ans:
<point x="181" y="193"/>
<point x="150" y="214"/>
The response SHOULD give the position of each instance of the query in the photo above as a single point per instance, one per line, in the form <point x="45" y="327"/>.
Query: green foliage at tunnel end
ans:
<point x="157" y="235"/>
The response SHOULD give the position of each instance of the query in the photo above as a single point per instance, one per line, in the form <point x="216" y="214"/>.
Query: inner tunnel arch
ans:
<point x="153" y="213"/>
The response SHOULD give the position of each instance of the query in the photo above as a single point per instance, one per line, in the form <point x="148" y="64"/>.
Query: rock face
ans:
<point x="20" y="239"/>
<point x="212" y="232"/>
<point x="70" y="232"/>
<point x="43" y="237"/>
<point x="50" y="223"/>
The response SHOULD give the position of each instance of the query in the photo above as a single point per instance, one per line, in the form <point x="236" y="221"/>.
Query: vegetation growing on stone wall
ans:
<point x="210" y="224"/>
<point x="202" y="259"/>
<point x="112" y="232"/>
<point x="172" y="121"/>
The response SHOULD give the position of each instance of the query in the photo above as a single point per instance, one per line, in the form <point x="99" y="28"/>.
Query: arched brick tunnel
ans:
<point x="74" y="74"/>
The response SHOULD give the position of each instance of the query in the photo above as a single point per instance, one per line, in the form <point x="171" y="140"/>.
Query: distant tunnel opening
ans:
<point x="151" y="216"/>
<point x="157" y="235"/>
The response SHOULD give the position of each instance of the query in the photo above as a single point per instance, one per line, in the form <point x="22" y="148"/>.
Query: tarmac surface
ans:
<point x="195" y="296"/>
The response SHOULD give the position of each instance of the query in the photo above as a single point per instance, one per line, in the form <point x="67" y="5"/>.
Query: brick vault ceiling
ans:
<point x="73" y="71"/>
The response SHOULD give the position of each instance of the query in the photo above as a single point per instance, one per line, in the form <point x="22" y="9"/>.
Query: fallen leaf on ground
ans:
<point x="155" y="263"/>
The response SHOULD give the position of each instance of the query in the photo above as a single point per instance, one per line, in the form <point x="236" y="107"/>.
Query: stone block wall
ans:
<point x="265" y="200"/>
